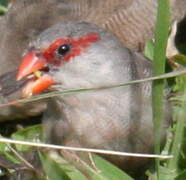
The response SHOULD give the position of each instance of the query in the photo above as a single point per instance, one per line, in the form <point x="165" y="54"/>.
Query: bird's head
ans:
<point x="74" y="54"/>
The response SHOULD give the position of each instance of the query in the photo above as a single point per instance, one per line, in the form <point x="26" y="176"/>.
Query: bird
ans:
<point x="75" y="55"/>
<point x="133" y="22"/>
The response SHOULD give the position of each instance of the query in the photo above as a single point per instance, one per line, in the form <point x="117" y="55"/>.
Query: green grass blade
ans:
<point x="161" y="36"/>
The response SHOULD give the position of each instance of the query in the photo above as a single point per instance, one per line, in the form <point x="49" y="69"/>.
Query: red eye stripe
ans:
<point x="77" y="46"/>
<point x="49" y="52"/>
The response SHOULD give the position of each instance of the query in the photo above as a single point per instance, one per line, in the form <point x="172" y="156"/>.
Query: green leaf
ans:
<point x="65" y="166"/>
<point x="52" y="169"/>
<point x="180" y="59"/>
<point x="181" y="176"/>
<point x="3" y="9"/>
<point x="32" y="133"/>
<point x="4" y="147"/>
<point x="149" y="49"/>
<point x="166" y="173"/>
<point x="108" y="170"/>
<point x="11" y="157"/>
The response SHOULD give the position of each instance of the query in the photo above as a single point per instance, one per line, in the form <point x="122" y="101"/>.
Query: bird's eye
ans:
<point x="63" y="49"/>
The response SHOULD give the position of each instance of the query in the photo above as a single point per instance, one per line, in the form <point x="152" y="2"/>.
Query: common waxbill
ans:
<point x="133" y="21"/>
<point x="73" y="55"/>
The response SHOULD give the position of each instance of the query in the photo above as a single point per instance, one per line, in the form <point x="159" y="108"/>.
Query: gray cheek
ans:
<point x="54" y="70"/>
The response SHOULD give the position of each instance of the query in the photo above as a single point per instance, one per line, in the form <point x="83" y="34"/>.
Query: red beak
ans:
<point x="32" y="63"/>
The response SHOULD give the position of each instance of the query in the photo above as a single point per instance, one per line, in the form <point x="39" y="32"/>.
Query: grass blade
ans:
<point x="161" y="36"/>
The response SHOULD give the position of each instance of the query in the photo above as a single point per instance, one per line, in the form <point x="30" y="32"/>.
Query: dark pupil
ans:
<point x="63" y="49"/>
